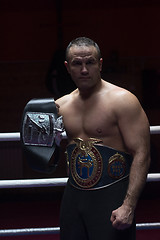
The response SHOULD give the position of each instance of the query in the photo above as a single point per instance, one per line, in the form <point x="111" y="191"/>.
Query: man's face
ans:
<point x="84" y="66"/>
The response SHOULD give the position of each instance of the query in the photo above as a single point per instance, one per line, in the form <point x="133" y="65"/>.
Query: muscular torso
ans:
<point x="92" y="117"/>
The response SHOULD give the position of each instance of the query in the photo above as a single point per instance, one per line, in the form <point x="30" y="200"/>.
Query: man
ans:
<point x="108" y="151"/>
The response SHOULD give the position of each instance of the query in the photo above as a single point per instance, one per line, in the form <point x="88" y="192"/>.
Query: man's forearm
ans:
<point x="137" y="180"/>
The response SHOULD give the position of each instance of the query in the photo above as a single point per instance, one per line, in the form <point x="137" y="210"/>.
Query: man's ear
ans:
<point x="67" y="66"/>
<point x="100" y="63"/>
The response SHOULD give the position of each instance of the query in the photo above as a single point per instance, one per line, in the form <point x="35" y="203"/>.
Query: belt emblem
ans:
<point x="86" y="163"/>
<point x="116" y="166"/>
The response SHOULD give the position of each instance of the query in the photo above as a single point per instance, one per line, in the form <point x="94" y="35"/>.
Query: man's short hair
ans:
<point x="83" y="41"/>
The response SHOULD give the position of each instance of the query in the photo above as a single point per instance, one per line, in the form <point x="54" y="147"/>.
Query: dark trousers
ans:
<point x="85" y="214"/>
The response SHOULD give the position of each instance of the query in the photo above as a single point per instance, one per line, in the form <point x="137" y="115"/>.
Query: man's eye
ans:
<point x="90" y="62"/>
<point x="76" y="63"/>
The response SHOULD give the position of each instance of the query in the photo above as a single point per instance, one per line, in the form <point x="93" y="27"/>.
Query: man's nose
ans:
<point x="84" y="69"/>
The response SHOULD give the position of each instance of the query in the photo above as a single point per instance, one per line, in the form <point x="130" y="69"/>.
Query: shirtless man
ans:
<point x="100" y="110"/>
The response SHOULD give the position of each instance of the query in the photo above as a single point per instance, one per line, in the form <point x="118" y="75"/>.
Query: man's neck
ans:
<point x="87" y="93"/>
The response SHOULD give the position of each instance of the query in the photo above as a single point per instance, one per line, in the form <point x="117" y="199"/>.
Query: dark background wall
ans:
<point x="34" y="34"/>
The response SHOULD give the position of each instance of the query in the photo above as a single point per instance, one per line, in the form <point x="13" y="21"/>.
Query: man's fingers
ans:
<point x="57" y="107"/>
<point x="115" y="222"/>
<point x="113" y="217"/>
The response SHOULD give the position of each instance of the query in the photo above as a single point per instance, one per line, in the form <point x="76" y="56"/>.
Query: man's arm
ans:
<point x="134" y="127"/>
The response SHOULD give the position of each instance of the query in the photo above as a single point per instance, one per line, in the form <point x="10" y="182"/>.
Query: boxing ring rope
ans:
<point x="56" y="230"/>
<point x="4" y="137"/>
<point x="29" y="231"/>
<point x="53" y="182"/>
<point x="14" y="137"/>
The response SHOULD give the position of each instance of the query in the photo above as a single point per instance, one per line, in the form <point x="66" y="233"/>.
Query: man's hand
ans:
<point x="57" y="107"/>
<point x="122" y="217"/>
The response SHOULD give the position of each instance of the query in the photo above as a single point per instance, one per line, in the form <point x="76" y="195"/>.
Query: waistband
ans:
<point x="93" y="166"/>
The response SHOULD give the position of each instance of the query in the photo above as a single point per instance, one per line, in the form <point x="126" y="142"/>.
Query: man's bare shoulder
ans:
<point x="65" y="98"/>
<point x="62" y="100"/>
<point x="118" y="93"/>
<point x="121" y="98"/>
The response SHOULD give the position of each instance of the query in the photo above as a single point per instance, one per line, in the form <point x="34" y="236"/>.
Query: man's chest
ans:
<point x="95" y="121"/>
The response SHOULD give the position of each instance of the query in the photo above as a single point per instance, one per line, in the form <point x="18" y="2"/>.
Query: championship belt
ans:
<point x="40" y="125"/>
<point x="94" y="166"/>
